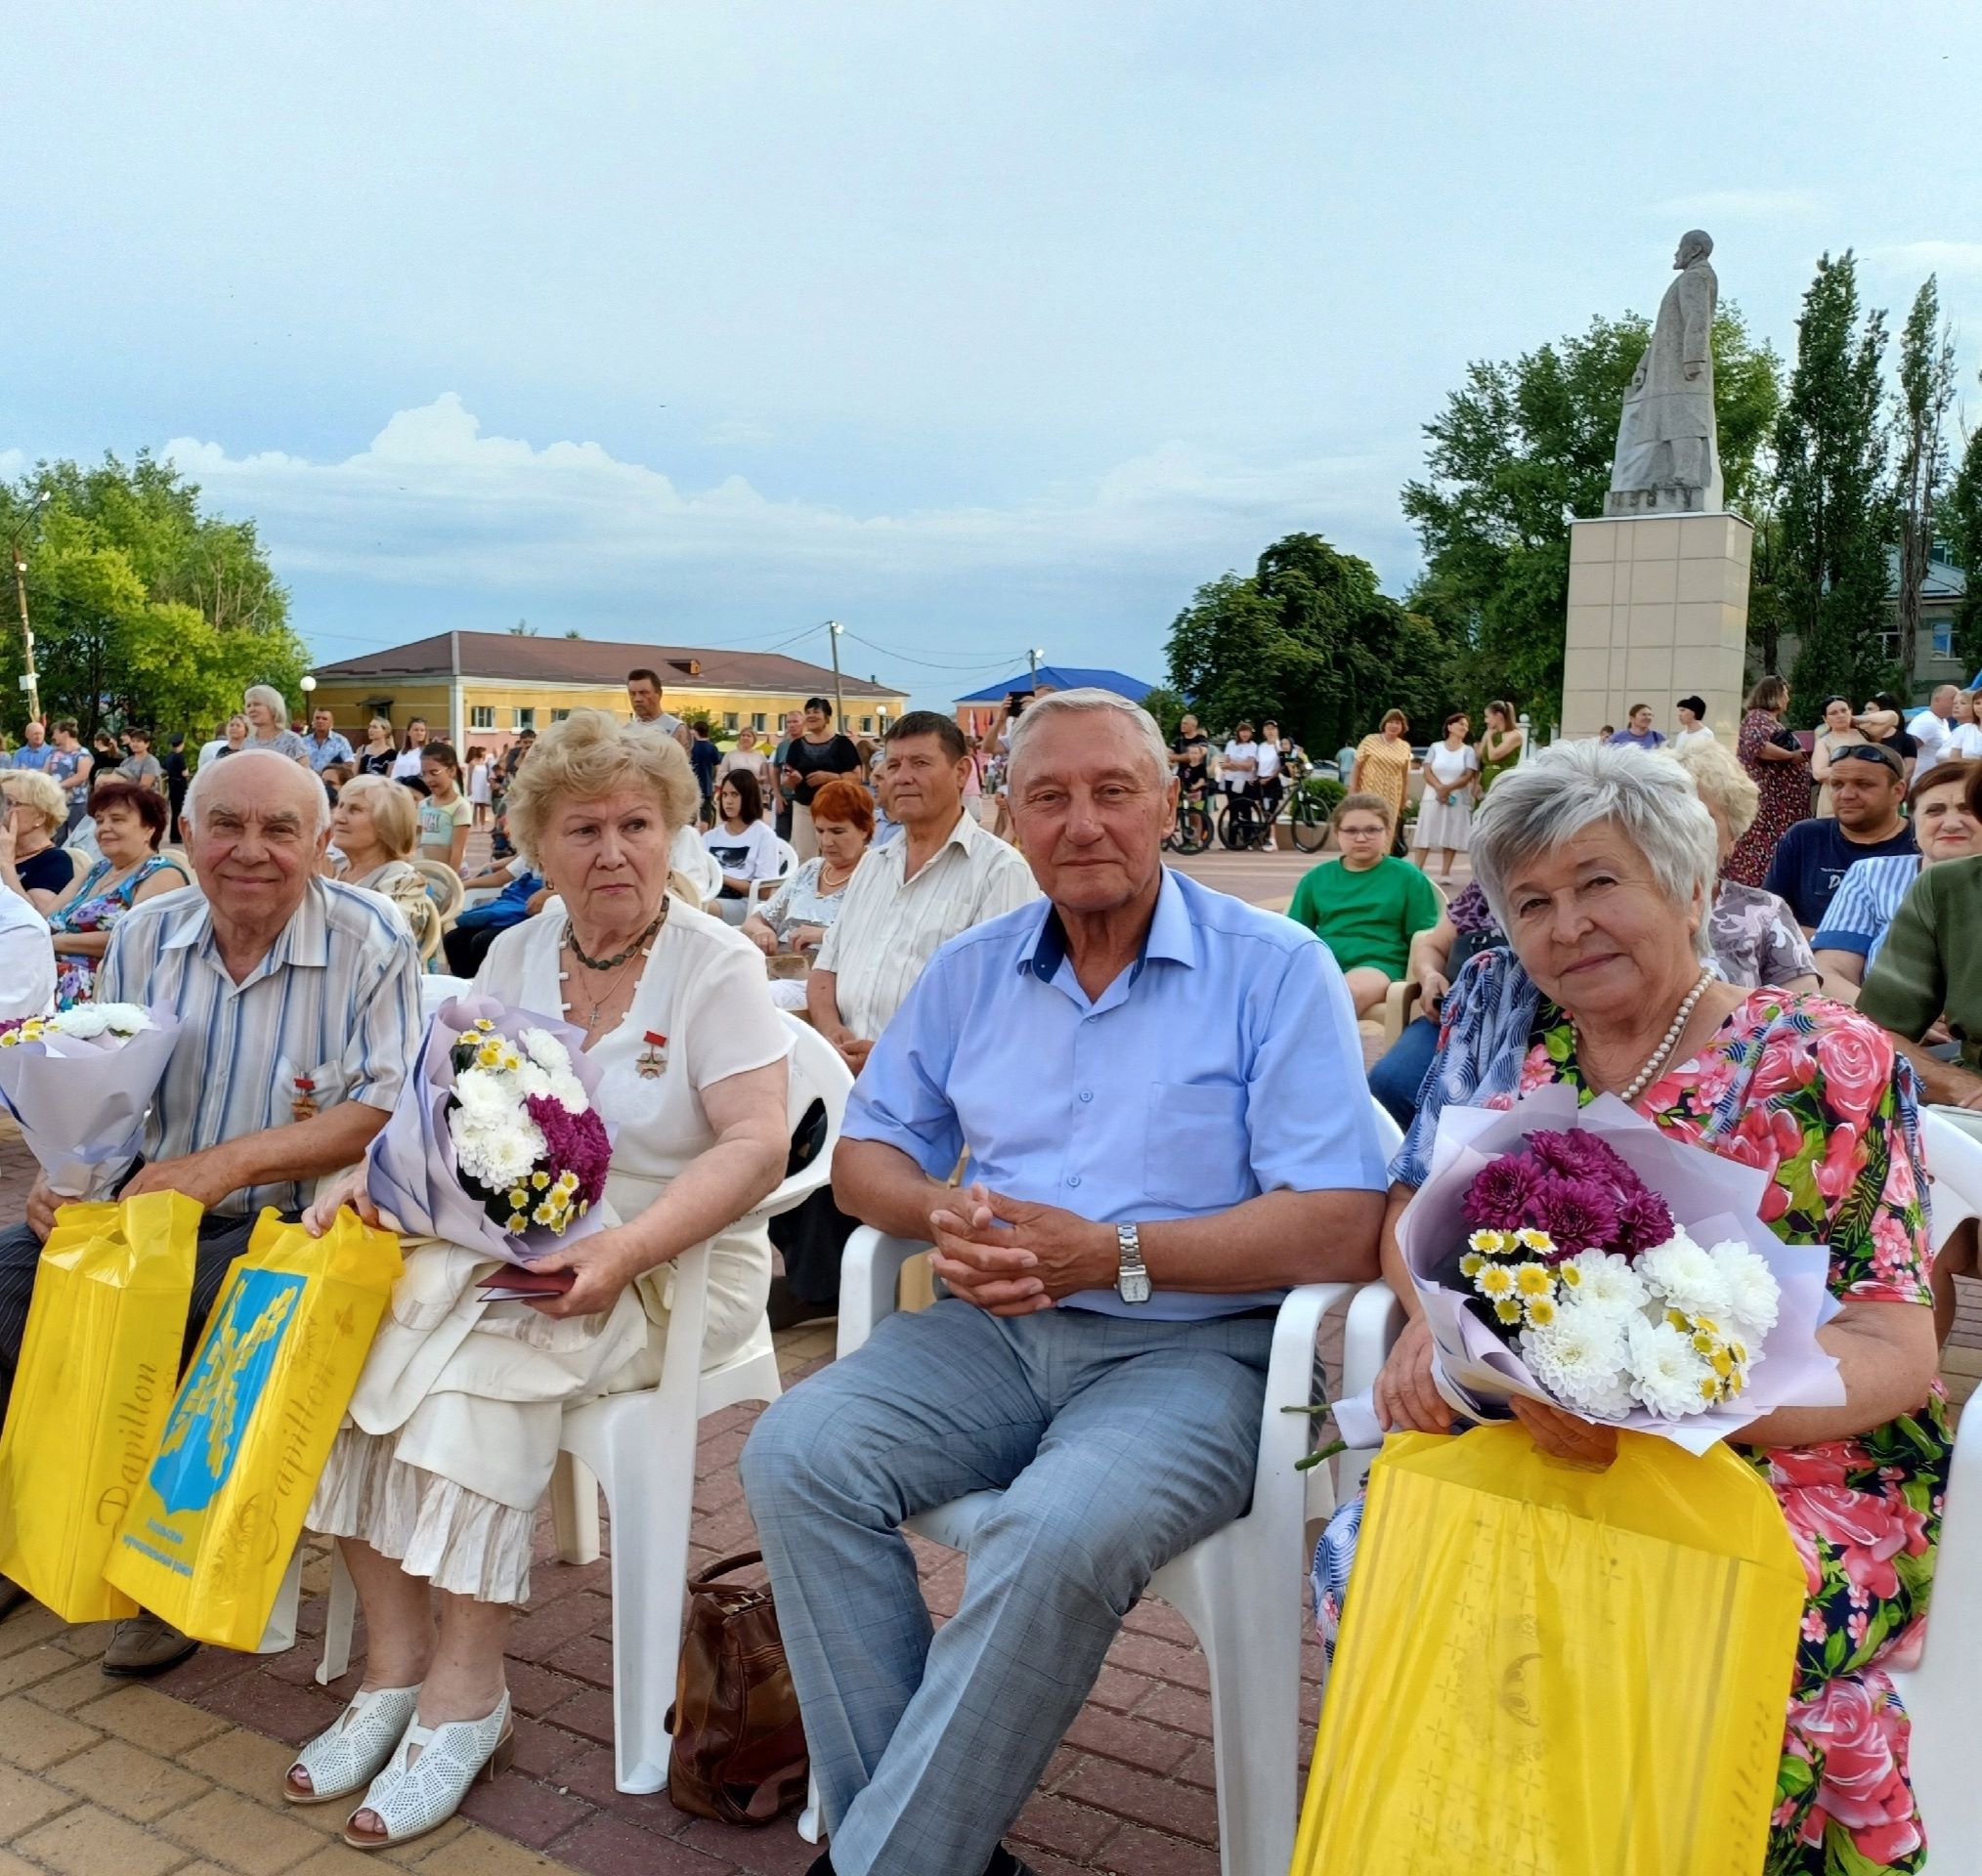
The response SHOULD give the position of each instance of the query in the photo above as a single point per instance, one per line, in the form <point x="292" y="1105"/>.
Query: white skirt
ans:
<point x="1444" y="824"/>
<point x="452" y="1435"/>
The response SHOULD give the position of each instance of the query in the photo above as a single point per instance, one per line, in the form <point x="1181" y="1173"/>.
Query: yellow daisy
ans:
<point x="1709" y="1387"/>
<point x="1533" y="1280"/>
<point x="1541" y="1312"/>
<point x="483" y="1024"/>
<point x="1571" y="1274"/>
<point x="516" y="1221"/>
<point x="1496" y="1280"/>
<point x="1531" y="1239"/>
<point x="1507" y="1309"/>
<point x="1493" y="1243"/>
<point x="1471" y="1265"/>
<point x="539" y="1179"/>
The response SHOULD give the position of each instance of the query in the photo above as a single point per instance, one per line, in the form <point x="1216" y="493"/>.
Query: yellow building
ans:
<point x="488" y="687"/>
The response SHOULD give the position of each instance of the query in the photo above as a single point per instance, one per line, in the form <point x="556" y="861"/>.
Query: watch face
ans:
<point x="1134" y="1286"/>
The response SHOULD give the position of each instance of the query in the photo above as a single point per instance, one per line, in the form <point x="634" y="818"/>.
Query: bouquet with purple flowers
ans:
<point x="494" y="1142"/>
<point x="1582" y="1257"/>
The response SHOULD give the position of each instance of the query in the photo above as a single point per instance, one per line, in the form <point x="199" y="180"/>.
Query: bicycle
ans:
<point x="1193" y="831"/>
<point x="1245" y="825"/>
<point x="1307" y="820"/>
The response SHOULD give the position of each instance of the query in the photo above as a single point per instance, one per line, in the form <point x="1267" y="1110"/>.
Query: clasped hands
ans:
<point x="1013" y="1257"/>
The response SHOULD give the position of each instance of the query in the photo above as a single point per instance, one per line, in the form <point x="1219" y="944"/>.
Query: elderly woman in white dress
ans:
<point x="435" y="1478"/>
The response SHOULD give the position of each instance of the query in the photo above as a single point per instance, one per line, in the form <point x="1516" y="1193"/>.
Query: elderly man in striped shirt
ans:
<point x="298" y="1001"/>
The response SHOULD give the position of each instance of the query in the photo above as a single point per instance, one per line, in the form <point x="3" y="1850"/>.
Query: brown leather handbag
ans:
<point x="739" y="1751"/>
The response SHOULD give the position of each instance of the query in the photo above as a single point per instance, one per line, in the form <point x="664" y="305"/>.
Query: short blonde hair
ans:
<point x="391" y="807"/>
<point x="1722" y="784"/>
<point x="591" y="754"/>
<point x="30" y="788"/>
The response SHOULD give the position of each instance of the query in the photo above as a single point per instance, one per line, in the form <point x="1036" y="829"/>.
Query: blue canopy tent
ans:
<point x="1063" y="678"/>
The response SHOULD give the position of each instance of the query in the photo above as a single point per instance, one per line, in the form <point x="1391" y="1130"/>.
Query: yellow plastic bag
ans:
<point x="208" y="1539"/>
<point x="1556" y="1671"/>
<point x="98" y="1363"/>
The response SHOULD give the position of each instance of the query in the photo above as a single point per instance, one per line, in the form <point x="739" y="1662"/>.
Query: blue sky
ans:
<point x="976" y="326"/>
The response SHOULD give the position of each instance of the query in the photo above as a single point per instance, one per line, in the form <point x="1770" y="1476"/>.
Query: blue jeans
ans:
<point x="1117" y="1444"/>
<point x="1397" y="1077"/>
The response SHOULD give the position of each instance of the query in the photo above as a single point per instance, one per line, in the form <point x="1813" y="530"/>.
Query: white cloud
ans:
<point x="1737" y="206"/>
<point x="433" y="500"/>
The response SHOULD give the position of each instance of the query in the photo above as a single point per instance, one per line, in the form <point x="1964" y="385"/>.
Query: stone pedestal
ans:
<point x="1657" y="610"/>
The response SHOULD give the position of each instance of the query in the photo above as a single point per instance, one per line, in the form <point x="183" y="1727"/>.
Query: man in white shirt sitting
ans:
<point x="26" y="960"/>
<point x="1934" y="727"/>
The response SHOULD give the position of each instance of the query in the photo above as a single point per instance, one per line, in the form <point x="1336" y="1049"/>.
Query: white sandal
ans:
<point x="351" y="1753"/>
<point x="412" y="1799"/>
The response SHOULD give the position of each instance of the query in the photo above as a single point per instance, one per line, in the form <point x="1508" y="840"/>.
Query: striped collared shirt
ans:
<point x="335" y="1002"/>
<point x="890" y="926"/>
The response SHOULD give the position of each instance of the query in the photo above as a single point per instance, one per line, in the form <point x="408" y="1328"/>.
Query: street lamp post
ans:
<point x="30" y="681"/>
<point x="832" y="630"/>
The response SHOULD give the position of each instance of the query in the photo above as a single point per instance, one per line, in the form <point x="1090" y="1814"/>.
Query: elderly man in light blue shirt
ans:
<point x="1161" y="1092"/>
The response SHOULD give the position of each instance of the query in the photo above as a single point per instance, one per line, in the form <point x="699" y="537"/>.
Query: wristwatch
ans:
<point x="1132" y="1280"/>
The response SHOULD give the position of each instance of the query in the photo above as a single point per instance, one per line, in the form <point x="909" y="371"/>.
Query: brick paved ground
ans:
<point x="180" y="1777"/>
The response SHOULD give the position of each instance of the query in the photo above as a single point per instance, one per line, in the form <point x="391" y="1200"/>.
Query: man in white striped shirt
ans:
<point x="906" y="900"/>
<point x="298" y="1001"/>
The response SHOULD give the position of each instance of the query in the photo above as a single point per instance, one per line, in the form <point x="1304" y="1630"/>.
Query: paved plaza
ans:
<point x="181" y="1777"/>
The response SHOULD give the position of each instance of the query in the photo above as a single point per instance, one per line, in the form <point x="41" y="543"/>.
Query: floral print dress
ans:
<point x="92" y="911"/>
<point x="1786" y="800"/>
<point x="1811" y="1093"/>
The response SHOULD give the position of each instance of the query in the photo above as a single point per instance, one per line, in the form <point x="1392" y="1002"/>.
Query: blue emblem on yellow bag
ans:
<point x="219" y="1396"/>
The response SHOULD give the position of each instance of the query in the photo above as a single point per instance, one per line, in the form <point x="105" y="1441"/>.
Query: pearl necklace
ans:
<point x="1667" y="1044"/>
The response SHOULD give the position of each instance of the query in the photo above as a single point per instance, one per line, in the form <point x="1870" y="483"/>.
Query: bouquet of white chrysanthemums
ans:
<point x="1580" y="1257"/>
<point x="79" y="1085"/>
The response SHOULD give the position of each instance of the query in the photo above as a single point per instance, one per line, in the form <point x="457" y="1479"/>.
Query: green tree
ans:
<point x="143" y="609"/>
<point x="1837" y="514"/>
<point x="1167" y="706"/>
<point x="1309" y="638"/>
<point x="1522" y="449"/>
<point x="1961" y="518"/>
<point x="1926" y="394"/>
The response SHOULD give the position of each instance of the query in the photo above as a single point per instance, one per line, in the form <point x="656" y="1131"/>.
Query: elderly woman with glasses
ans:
<point x="435" y="1477"/>
<point x="1599" y="863"/>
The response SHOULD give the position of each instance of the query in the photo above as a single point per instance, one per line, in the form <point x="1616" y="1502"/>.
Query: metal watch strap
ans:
<point x="1131" y="1278"/>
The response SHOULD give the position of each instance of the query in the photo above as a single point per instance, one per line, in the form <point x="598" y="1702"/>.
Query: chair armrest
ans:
<point x="870" y="1269"/>
<point x="1396" y="1009"/>
<point x="1376" y="1318"/>
<point x="1290" y="1382"/>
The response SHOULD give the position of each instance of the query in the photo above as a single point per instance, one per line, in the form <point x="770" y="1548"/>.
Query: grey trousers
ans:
<point x="1117" y="1444"/>
<point x="221" y="1241"/>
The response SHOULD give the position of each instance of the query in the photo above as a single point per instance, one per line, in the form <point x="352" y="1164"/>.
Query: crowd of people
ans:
<point x="1104" y="1093"/>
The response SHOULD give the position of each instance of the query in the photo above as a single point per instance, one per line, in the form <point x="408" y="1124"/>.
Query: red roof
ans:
<point x="586" y="660"/>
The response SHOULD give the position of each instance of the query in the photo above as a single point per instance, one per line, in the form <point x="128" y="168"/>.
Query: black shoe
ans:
<point x="1002" y="1863"/>
<point x="787" y="1310"/>
<point x="12" y="1597"/>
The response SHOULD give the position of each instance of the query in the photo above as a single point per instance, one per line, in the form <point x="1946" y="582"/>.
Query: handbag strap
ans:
<point x="724" y="1566"/>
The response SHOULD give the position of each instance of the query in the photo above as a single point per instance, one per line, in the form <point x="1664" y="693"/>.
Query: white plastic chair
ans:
<point x="639" y="1448"/>
<point x="1939" y="1695"/>
<point x="761" y="889"/>
<point x="1240" y="1589"/>
<point x="436" y="990"/>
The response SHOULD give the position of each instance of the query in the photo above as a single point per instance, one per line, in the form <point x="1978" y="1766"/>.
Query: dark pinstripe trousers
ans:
<point x="221" y="1241"/>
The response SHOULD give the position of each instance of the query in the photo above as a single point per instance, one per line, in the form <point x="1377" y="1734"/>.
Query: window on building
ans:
<point x="756" y="719"/>
<point x="881" y="717"/>
<point x="1889" y="647"/>
<point x="730" y="720"/>
<point x="523" y="717"/>
<point x="1944" y="638"/>
<point x="558" y="717"/>
<point x="481" y="716"/>
<point x="867" y="726"/>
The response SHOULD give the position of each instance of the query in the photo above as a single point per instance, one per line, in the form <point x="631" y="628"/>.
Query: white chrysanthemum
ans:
<point x="1579" y="1359"/>
<point x="1666" y="1372"/>
<point x="497" y="1155"/>
<point x="85" y="1022"/>
<point x="1753" y="1296"/>
<point x="545" y="1050"/>
<point x="122" y="1019"/>
<point x="1682" y="1274"/>
<point x="1606" y="1284"/>
<point x="485" y="1097"/>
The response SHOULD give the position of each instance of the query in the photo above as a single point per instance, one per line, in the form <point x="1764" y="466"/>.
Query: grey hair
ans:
<point x="1085" y="701"/>
<point x="272" y="697"/>
<point x="202" y="785"/>
<point x="1571" y="787"/>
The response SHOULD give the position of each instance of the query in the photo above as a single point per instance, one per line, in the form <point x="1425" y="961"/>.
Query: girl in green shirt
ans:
<point x="1366" y="907"/>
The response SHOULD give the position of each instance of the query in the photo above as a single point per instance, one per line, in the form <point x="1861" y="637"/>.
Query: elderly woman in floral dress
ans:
<point x="435" y="1478"/>
<point x="1599" y="863"/>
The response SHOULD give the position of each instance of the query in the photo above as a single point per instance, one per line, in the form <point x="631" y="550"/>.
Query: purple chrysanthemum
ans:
<point x="1644" y="1219"/>
<point x="1578" y="1214"/>
<point x="574" y="1143"/>
<point x="1582" y="1155"/>
<point x="1501" y="1192"/>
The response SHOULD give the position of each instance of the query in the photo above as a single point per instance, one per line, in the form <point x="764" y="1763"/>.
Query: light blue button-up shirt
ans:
<point x="1222" y="1064"/>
